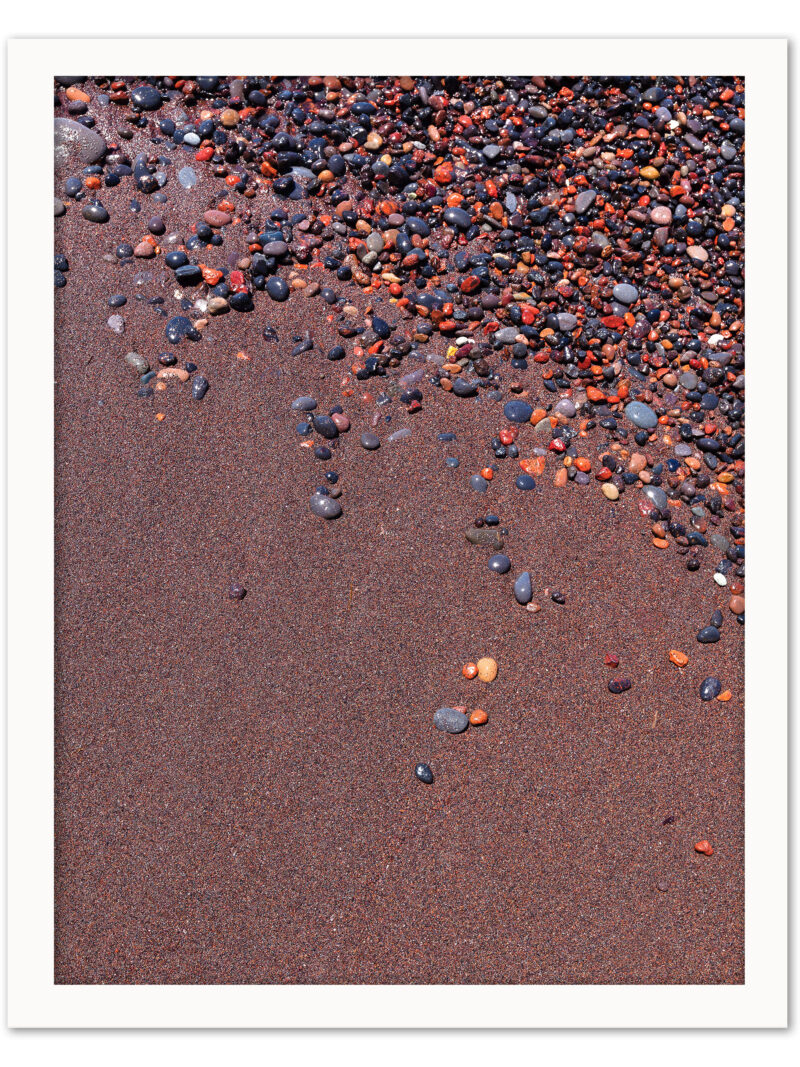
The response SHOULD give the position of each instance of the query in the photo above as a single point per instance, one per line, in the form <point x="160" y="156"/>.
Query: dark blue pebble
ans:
<point x="325" y="426"/>
<point x="709" y="635"/>
<point x="710" y="688"/>
<point x="277" y="288"/>
<point x="424" y="773"/>
<point x="526" y="482"/>
<point x="500" y="564"/>
<point x="179" y="327"/>
<point x="518" y="411"/>
<point x="199" y="387"/>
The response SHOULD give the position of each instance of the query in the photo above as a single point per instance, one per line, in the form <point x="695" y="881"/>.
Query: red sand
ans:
<point x="235" y="800"/>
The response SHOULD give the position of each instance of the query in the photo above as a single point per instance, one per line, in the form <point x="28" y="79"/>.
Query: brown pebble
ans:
<point x="487" y="669"/>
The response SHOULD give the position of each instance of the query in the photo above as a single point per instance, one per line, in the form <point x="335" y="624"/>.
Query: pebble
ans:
<point x="478" y="483"/>
<point x="709" y="635"/>
<point x="94" y="212"/>
<point x="277" y="288"/>
<point x="325" y="506"/>
<point x="370" y="441"/>
<point x="626" y="294"/>
<point x="487" y="669"/>
<point x="199" y="387"/>
<point x="76" y="146"/>
<point x="450" y="721"/>
<point x="137" y="363"/>
<point x="523" y="590"/>
<point x="424" y="773"/>
<point x="518" y="411"/>
<point x="710" y="688"/>
<point x="146" y="98"/>
<point x="500" y="564"/>
<point x="484" y="536"/>
<point x="236" y="591"/>
<point x="641" y="415"/>
<point x="657" y="497"/>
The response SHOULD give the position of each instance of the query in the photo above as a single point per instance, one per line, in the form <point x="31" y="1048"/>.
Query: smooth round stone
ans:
<point x="452" y="461"/>
<point x="341" y="420"/>
<point x="304" y="403"/>
<point x="325" y="426"/>
<point x="424" y="773"/>
<point x="566" y="322"/>
<point x="236" y="591"/>
<point x="277" y="288"/>
<point x="710" y="688"/>
<point x="525" y="482"/>
<point x="457" y="217"/>
<point x="370" y="441"/>
<point x="76" y="146"/>
<point x="500" y="564"/>
<point x="276" y="249"/>
<point x="566" y="407"/>
<point x="146" y="98"/>
<point x="709" y="635"/>
<point x="94" y="213"/>
<point x="661" y="215"/>
<point x="137" y="363"/>
<point x="656" y="495"/>
<point x="59" y="208"/>
<point x="325" y="507"/>
<point x="523" y="590"/>
<point x="199" y="387"/>
<point x="179" y="327"/>
<point x="484" y="536"/>
<point x="217" y="219"/>
<point x="487" y="669"/>
<point x="518" y="411"/>
<point x="478" y="483"/>
<point x="641" y="415"/>
<point x="450" y="721"/>
<point x="584" y="200"/>
<point x="682" y="450"/>
<point x="689" y="380"/>
<point x="610" y="491"/>
<point x="720" y="579"/>
<point x="625" y="293"/>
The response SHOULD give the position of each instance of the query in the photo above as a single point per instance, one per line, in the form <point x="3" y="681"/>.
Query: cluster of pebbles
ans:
<point x="563" y="255"/>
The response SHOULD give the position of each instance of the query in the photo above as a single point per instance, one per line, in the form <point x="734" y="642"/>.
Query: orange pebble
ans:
<point x="487" y="473"/>
<point x="704" y="847"/>
<point x="583" y="464"/>
<point x="469" y="670"/>
<point x="478" y="717"/>
<point x="680" y="659"/>
<point x="660" y="542"/>
<point x="725" y="697"/>
<point x="160" y="416"/>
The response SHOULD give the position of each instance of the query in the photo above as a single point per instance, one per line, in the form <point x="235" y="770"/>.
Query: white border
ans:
<point x="33" y="999"/>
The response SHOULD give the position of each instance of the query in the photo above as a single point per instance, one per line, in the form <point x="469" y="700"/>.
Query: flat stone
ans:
<point x="484" y="536"/>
